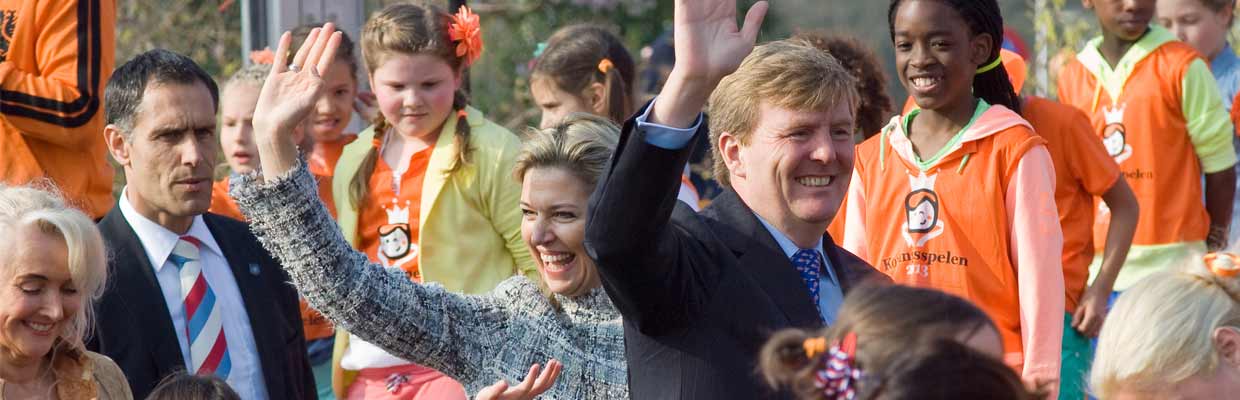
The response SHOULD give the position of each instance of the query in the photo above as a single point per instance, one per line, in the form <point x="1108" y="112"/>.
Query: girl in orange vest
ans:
<point x="1154" y="104"/>
<point x="958" y="195"/>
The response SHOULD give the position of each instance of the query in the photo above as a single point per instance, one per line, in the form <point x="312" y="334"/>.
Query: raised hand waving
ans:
<point x="289" y="94"/>
<point x="709" y="46"/>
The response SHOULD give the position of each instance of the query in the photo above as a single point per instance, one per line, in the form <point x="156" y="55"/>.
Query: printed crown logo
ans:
<point x="1114" y="116"/>
<point x="921" y="181"/>
<point x="398" y="214"/>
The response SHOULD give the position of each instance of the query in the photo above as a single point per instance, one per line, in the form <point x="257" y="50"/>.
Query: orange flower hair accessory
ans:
<point x="1225" y="265"/>
<point x="264" y="56"/>
<point x="814" y="346"/>
<point x="466" y="31"/>
<point x="605" y="66"/>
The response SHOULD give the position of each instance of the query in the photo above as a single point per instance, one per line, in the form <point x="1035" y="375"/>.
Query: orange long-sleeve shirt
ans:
<point x="55" y="57"/>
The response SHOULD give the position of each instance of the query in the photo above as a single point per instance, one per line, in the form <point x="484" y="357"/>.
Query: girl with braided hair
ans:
<point x="426" y="189"/>
<point x="958" y="194"/>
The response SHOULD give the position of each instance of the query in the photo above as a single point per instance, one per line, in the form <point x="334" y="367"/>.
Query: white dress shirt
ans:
<point x="246" y="376"/>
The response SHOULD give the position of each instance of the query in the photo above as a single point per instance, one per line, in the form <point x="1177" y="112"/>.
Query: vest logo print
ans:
<point x="8" y="27"/>
<point x="1114" y="134"/>
<point x="921" y="211"/>
<point x="396" y="247"/>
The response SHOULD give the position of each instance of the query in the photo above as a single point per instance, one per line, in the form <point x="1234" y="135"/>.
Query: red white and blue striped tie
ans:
<point x="208" y="349"/>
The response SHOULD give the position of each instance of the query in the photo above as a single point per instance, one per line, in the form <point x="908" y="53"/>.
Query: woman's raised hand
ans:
<point x="289" y="94"/>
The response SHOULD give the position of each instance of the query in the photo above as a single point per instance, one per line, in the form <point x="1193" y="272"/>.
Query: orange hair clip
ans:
<point x="376" y="142"/>
<point x="462" y="113"/>
<point x="1226" y="265"/>
<point x="605" y="66"/>
<point x="814" y="346"/>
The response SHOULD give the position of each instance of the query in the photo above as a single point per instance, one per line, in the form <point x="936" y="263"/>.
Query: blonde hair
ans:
<point x="253" y="74"/>
<point x="45" y="209"/>
<point x="581" y="144"/>
<point x="409" y="29"/>
<point x="1160" y="331"/>
<point x="790" y="74"/>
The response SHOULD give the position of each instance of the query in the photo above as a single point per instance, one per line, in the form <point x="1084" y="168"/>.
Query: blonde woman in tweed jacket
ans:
<point x="474" y="339"/>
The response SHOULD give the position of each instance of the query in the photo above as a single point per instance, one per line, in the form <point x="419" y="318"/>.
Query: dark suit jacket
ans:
<point x="133" y="327"/>
<point x="700" y="293"/>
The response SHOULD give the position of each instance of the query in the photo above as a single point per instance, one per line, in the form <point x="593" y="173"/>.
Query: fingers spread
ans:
<point x="530" y="377"/>
<point x="547" y="378"/>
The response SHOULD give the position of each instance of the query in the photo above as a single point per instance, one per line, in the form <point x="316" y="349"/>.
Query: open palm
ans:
<point x="290" y="91"/>
<point x="708" y="42"/>
<point x="535" y="384"/>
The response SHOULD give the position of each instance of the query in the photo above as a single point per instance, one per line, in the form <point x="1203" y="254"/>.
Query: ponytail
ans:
<point x="995" y="86"/>
<point x="578" y="56"/>
<point x="616" y="95"/>
<point x="784" y="363"/>
<point x="359" y="185"/>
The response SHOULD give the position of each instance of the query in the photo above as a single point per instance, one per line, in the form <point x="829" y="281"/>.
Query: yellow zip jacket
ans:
<point x="469" y="224"/>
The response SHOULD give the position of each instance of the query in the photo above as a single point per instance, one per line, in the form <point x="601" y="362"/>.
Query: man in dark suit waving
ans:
<point x="700" y="293"/>
<point x="192" y="291"/>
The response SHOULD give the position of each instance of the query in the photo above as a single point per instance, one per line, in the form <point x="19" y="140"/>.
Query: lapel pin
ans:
<point x="254" y="270"/>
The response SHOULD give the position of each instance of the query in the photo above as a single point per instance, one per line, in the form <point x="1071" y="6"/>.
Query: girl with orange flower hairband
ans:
<point x="427" y="188"/>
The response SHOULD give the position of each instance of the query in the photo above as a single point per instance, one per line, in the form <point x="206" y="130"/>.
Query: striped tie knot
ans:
<point x="186" y="250"/>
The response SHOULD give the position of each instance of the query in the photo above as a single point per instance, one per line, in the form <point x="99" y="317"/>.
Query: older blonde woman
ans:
<point x="1174" y="335"/>
<point x="52" y="267"/>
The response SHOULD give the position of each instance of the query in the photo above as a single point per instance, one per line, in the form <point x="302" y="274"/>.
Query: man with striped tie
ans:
<point x="193" y="291"/>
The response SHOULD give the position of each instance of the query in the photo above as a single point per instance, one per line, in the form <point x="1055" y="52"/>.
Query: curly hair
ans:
<point x="875" y="106"/>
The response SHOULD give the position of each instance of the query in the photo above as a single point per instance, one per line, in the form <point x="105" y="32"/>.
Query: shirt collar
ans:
<point x="1224" y="61"/>
<point x="159" y="241"/>
<point x="785" y="243"/>
<point x="1091" y="55"/>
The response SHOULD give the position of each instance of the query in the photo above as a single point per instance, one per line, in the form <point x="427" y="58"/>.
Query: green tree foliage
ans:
<point x="207" y="31"/>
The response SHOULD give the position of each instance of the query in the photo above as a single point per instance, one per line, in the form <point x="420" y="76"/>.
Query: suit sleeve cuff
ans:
<point x="663" y="136"/>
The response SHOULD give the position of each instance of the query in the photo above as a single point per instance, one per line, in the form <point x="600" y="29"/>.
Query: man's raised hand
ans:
<point x="709" y="46"/>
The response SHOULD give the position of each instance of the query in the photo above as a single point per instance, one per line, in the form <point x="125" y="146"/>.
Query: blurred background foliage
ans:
<point x="210" y="32"/>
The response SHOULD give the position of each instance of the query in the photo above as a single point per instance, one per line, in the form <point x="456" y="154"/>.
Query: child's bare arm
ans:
<point x="1091" y="310"/>
<point x="1220" y="190"/>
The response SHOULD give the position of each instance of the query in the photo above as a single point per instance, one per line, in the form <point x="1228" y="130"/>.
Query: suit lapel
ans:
<point x="760" y="256"/>
<point x="842" y="271"/>
<point x="139" y="289"/>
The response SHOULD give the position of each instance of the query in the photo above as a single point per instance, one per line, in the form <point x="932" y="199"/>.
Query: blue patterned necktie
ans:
<point x="809" y="264"/>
